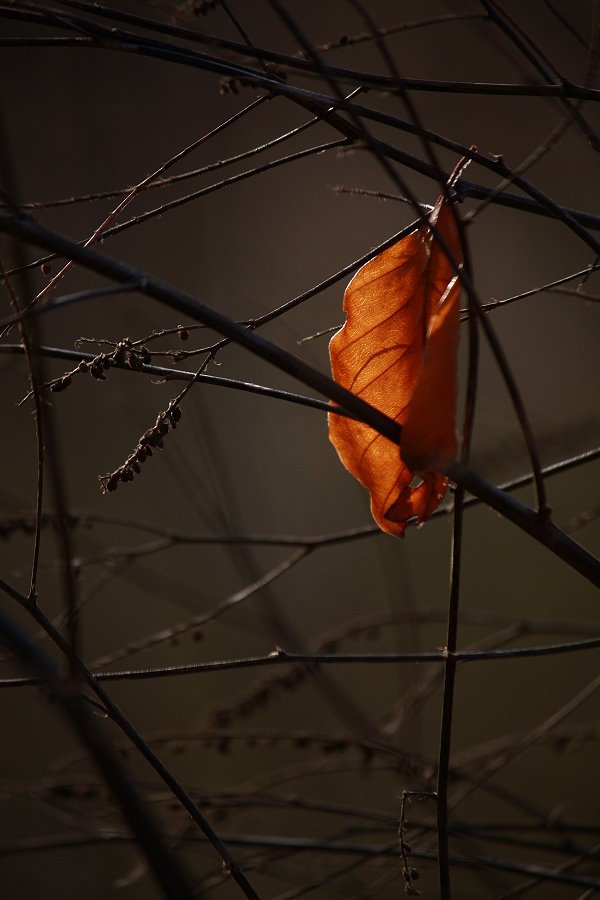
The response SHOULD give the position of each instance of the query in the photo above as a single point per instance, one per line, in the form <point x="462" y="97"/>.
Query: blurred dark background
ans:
<point x="85" y="120"/>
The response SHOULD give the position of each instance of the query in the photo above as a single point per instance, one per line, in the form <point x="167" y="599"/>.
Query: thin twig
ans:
<point x="72" y="704"/>
<point x="36" y="387"/>
<point x="142" y="746"/>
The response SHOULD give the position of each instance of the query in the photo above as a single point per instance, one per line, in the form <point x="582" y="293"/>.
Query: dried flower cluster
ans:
<point x="136" y="357"/>
<point x="151" y="439"/>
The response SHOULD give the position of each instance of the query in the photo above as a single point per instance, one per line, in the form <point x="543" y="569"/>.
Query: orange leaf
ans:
<point x="398" y="351"/>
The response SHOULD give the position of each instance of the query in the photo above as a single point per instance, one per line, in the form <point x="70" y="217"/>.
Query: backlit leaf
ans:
<point x="398" y="351"/>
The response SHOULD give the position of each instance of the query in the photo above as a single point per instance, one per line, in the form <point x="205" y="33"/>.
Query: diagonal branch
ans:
<point x="527" y="519"/>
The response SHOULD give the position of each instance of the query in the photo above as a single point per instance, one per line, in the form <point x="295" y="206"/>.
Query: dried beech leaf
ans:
<point x="398" y="351"/>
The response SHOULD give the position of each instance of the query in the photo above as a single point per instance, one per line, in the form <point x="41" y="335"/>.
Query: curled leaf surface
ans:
<point x="398" y="351"/>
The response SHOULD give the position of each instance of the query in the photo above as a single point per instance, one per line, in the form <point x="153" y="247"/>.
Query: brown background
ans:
<point x="80" y="121"/>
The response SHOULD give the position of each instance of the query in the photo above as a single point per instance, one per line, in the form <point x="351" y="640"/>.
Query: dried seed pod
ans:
<point x="96" y="371"/>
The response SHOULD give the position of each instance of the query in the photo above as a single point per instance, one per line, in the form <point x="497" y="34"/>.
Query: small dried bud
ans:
<point x="176" y="414"/>
<point x="228" y="86"/>
<point x="83" y="366"/>
<point x="45" y="268"/>
<point x="96" y="371"/>
<point x="183" y="334"/>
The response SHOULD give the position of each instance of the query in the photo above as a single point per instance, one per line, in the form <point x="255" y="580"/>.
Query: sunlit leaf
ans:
<point x="398" y="351"/>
